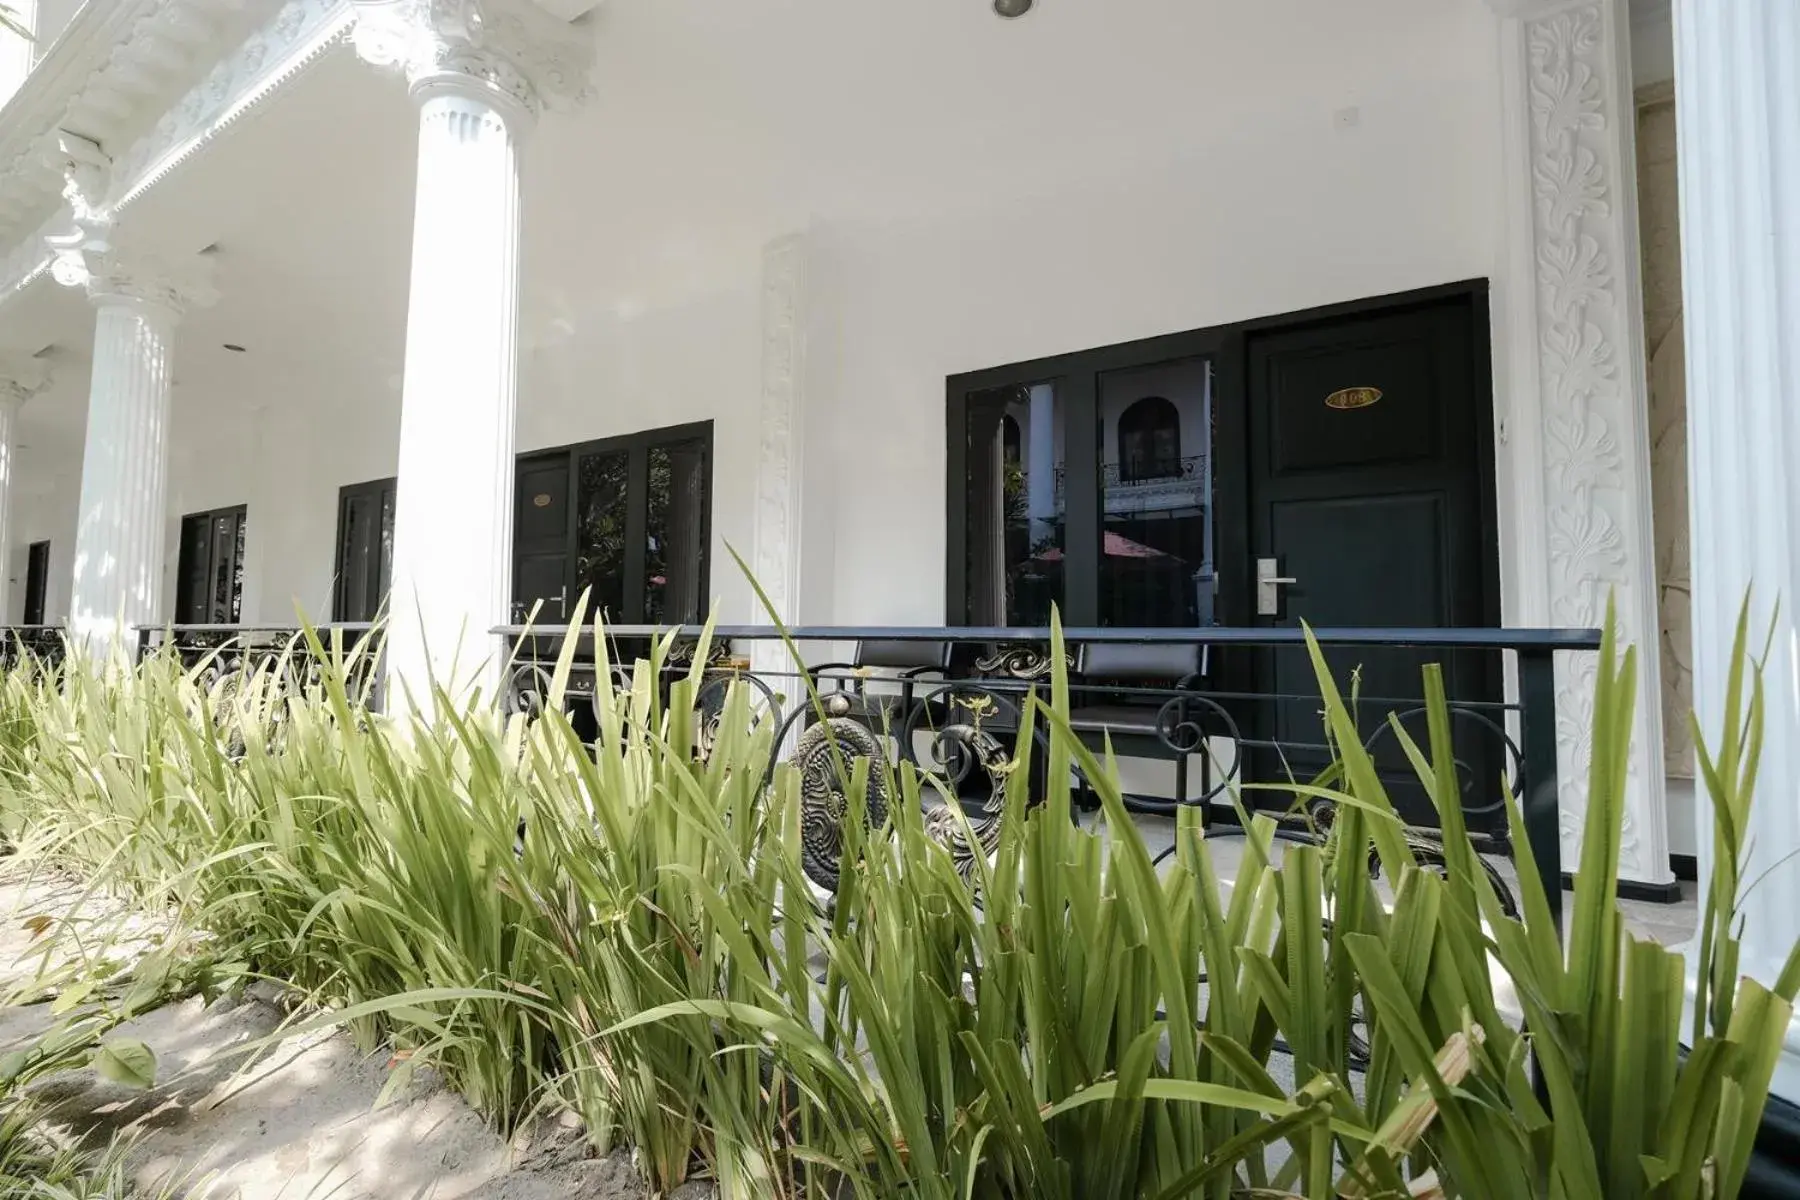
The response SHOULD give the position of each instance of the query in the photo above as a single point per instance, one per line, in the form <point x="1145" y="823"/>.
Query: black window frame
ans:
<point x="340" y="581"/>
<point x="184" y="565"/>
<point x="636" y="447"/>
<point x="37" y="582"/>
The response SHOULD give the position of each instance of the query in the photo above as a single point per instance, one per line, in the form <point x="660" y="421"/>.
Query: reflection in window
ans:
<point x="1156" y="544"/>
<point x="1150" y="440"/>
<point x="601" y="506"/>
<point x="210" y="570"/>
<point x="1014" y="533"/>
<point x="675" y="531"/>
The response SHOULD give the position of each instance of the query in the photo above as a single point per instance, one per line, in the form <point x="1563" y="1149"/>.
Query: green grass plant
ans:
<point x="1075" y="1021"/>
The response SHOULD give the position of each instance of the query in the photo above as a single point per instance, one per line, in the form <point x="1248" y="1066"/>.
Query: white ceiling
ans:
<point x="714" y="127"/>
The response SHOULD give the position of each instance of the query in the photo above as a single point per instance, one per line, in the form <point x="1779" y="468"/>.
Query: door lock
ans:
<point x="1268" y="587"/>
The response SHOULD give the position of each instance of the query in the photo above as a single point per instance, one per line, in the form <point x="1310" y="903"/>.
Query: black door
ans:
<point x="365" y="561"/>
<point x="1369" y="485"/>
<point x="541" y="539"/>
<point x="626" y="520"/>
<point x="209" y="586"/>
<point x="37" y="581"/>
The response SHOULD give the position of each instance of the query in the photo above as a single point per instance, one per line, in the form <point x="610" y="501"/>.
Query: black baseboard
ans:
<point x="1631" y="889"/>
<point x="1775" y="1160"/>
<point x="1685" y="866"/>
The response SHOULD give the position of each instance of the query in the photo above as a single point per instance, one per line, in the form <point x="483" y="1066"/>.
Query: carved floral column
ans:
<point x="1573" y="397"/>
<point x="125" y="461"/>
<point x="481" y="72"/>
<point x="20" y="379"/>
<point x="1737" y="96"/>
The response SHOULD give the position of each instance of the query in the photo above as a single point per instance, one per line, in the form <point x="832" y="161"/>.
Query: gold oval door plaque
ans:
<point x="1345" y="399"/>
<point x="542" y="499"/>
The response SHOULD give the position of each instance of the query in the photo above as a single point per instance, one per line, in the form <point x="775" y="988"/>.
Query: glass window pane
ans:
<point x="1014" y="505"/>
<point x="385" y="570"/>
<point x="675" y="532"/>
<point x="601" y="505"/>
<point x="1156" y="567"/>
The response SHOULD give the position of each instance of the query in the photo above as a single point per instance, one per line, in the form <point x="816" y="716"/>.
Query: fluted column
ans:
<point x="119" y="536"/>
<point x="20" y="379"/>
<point x="480" y="72"/>
<point x="1737" y="92"/>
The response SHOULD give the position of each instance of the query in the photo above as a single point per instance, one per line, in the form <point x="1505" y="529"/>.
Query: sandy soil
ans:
<point x="301" y="1123"/>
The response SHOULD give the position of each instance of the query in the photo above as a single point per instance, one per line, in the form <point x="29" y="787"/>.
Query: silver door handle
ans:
<point x="1268" y="587"/>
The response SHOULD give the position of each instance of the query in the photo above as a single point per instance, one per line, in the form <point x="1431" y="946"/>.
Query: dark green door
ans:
<point x="1370" y="504"/>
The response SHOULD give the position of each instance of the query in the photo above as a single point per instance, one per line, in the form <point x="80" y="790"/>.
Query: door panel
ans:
<point x="541" y="534"/>
<point x="1367" y="467"/>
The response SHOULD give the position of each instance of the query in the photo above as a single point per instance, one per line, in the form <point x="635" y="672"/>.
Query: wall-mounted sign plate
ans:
<point x="1345" y="399"/>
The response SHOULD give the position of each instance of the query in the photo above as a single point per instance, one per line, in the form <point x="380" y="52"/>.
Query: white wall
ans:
<point x="1292" y="213"/>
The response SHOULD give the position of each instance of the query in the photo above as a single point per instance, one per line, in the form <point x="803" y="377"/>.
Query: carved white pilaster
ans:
<point x="1737" y="96"/>
<point x="125" y="459"/>
<point x="21" y="378"/>
<point x="480" y="72"/>
<point x="1575" y="398"/>
<point x="776" y="537"/>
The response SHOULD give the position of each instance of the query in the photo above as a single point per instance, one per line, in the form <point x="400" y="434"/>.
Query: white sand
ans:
<point x="301" y="1123"/>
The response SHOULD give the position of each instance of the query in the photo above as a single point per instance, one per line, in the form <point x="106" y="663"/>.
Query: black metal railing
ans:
<point x="45" y="643"/>
<point x="225" y="650"/>
<point x="1197" y="700"/>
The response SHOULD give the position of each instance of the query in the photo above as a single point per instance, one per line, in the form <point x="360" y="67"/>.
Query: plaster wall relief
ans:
<point x="1579" y="368"/>
<point x="1660" y="225"/>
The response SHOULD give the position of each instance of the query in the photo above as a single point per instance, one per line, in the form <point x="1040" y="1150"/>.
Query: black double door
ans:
<point x="627" y="520"/>
<point x="210" y="568"/>
<point x="365" y="565"/>
<point x="1338" y="472"/>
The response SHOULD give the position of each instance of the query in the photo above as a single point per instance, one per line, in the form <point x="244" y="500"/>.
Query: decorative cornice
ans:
<point x="510" y="52"/>
<point x="297" y="36"/>
<point x="21" y="378"/>
<point x="114" y="68"/>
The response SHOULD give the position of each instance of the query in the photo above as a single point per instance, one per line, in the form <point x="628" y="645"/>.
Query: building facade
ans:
<point x="1408" y="312"/>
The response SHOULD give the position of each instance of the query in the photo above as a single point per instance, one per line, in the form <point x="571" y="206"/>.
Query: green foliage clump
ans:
<point x="624" y="929"/>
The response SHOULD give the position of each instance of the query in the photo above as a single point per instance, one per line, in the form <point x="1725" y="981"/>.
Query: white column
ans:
<point x="121" y="528"/>
<point x="480" y="73"/>
<point x="1737" y="88"/>
<point x="1572" y="399"/>
<point x="1040" y="463"/>
<point x="20" y="379"/>
<point x="776" y="535"/>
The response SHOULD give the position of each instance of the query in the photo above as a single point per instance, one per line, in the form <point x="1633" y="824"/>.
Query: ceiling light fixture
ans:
<point x="1012" y="8"/>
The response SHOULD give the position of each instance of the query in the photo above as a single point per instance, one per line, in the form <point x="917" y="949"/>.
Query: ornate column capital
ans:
<point x="510" y="53"/>
<point x="112" y="276"/>
<point x="21" y="378"/>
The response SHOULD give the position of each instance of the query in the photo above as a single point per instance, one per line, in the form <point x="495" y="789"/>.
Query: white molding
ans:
<point x="117" y="65"/>
<point x="295" y="38"/>
<point x="1574" y="380"/>
<point x="300" y="34"/>
<point x="775" y="556"/>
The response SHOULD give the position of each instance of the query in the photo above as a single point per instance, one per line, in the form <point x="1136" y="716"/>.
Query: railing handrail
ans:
<point x="323" y="626"/>
<point x="1440" y="639"/>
